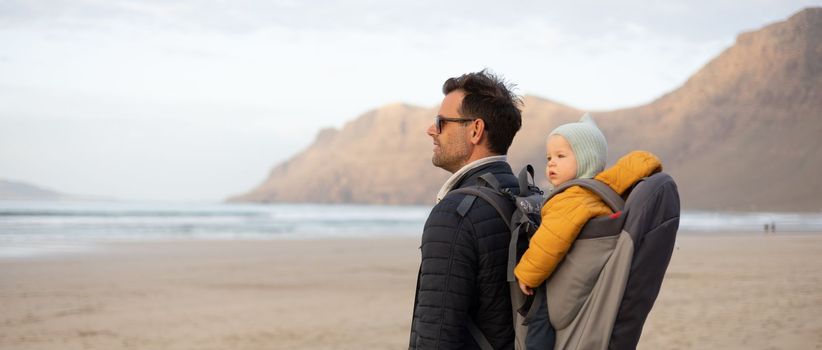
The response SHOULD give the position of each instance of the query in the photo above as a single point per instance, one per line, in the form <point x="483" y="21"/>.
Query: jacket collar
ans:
<point x="467" y="171"/>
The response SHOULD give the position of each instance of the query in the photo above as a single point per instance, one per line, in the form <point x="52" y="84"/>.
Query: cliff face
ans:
<point x="12" y="190"/>
<point x="742" y="133"/>
<point x="381" y="157"/>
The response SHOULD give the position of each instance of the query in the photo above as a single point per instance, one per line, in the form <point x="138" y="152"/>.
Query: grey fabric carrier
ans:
<point x="601" y="293"/>
<point x="652" y="220"/>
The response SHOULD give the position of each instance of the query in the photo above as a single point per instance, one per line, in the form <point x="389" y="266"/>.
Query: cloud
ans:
<point x="265" y="75"/>
<point x="692" y="19"/>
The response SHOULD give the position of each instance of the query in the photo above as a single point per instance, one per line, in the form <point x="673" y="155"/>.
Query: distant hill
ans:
<point x="10" y="190"/>
<point x="743" y="133"/>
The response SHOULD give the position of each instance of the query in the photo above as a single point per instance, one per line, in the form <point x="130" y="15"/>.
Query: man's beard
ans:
<point x="451" y="157"/>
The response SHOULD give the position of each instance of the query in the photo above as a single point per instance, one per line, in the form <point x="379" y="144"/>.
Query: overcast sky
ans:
<point x="197" y="100"/>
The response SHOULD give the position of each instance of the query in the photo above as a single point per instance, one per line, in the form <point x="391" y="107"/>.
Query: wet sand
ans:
<point x="746" y="291"/>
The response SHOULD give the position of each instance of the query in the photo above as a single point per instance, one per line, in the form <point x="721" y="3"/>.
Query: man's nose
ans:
<point x="431" y="131"/>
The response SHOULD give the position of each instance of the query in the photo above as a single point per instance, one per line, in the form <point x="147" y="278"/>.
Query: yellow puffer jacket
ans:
<point x="566" y="213"/>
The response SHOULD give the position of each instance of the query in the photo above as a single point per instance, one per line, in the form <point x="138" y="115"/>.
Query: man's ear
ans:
<point x="477" y="131"/>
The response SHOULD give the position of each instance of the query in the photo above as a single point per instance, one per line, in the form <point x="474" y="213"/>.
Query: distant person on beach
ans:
<point x="574" y="150"/>
<point x="462" y="286"/>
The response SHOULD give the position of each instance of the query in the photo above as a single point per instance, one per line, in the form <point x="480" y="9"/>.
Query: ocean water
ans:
<point x="32" y="228"/>
<point x="43" y="228"/>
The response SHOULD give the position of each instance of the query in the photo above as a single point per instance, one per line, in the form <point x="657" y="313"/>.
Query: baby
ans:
<point x="575" y="150"/>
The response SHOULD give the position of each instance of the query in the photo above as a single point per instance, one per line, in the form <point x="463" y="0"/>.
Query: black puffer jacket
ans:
<point x="463" y="272"/>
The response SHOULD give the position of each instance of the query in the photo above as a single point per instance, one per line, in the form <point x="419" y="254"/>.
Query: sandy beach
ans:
<point x="731" y="291"/>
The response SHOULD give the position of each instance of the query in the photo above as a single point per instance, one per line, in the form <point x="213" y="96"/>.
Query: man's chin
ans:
<point x="436" y="162"/>
<point x="440" y="164"/>
<point x="451" y="168"/>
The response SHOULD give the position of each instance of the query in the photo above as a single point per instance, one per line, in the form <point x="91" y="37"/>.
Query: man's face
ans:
<point x="452" y="146"/>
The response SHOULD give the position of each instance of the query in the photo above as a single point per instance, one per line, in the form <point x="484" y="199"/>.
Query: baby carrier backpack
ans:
<point x="600" y="294"/>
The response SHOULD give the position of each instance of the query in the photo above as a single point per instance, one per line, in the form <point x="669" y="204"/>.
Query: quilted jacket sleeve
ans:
<point x="462" y="278"/>
<point x="448" y="273"/>
<point x="562" y="219"/>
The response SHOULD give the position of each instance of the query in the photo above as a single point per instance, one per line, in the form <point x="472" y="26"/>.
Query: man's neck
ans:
<point x="479" y="154"/>
<point x="457" y="176"/>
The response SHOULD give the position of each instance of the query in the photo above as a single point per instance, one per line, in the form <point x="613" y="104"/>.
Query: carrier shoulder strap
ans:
<point x="480" y="338"/>
<point x="611" y="198"/>
<point x="504" y="207"/>
<point x="502" y="204"/>
<point x="527" y="186"/>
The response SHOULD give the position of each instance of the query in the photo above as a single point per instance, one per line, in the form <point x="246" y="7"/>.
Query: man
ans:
<point x="462" y="287"/>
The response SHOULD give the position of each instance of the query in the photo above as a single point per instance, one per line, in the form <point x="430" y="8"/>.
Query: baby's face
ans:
<point x="562" y="164"/>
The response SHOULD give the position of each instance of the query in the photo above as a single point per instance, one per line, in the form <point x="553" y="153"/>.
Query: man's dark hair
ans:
<point x="489" y="97"/>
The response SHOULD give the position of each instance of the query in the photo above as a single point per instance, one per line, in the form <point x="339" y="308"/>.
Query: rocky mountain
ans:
<point x="11" y="190"/>
<point x="743" y="133"/>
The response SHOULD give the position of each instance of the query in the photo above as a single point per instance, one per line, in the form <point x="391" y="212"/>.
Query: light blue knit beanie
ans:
<point x="588" y="144"/>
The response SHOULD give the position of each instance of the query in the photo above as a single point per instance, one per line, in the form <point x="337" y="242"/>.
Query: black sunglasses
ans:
<point x="438" y="120"/>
